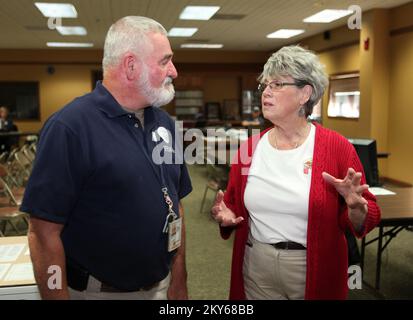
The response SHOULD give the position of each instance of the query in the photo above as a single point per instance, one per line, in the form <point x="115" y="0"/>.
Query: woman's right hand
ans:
<point x="221" y="214"/>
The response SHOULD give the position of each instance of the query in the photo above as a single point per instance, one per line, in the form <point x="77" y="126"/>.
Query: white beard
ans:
<point x="156" y="97"/>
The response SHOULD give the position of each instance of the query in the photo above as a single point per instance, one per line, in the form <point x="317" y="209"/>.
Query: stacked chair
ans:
<point x="217" y="180"/>
<point x="15" y="169"/>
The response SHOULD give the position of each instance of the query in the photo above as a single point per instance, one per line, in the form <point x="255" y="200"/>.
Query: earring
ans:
<point x="301" y="111"/>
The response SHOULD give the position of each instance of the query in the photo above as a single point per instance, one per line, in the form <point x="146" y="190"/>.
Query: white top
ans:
<point x="277" y="191"/>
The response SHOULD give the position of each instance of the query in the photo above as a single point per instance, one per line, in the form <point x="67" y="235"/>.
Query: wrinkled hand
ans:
<point x="221" y="214"/>
<point x="349" y="188"/>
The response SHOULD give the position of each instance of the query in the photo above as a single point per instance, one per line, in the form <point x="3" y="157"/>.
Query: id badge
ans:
<point x="174" y="234"/>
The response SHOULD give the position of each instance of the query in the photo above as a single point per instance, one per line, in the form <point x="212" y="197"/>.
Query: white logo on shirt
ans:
<point x="160" y="133"/>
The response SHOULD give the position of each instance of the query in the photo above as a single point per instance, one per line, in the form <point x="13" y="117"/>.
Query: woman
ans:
<point x="288" y="209"/>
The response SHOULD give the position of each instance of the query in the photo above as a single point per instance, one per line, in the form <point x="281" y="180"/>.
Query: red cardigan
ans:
<point x="327" y="216"/>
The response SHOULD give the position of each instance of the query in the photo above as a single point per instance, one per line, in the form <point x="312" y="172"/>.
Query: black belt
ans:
<point x="78" y="278"/>
<point x="288" y="245"/>
<point x="107" y="288"/>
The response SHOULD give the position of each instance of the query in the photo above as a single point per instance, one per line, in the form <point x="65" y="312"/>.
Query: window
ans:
<point x="344" y="96"/>
<point x="22" y="99"/>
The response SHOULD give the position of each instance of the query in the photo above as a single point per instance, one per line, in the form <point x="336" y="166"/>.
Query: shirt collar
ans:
<point x="108" y="105"/>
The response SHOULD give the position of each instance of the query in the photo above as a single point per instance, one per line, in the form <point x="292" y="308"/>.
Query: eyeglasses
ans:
<point x="277" y="85"/>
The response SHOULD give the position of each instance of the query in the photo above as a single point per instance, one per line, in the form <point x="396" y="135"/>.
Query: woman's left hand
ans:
<point x="349" y="188"/>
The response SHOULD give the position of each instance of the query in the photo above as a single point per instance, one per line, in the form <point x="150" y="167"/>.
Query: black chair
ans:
<point x="217" y="180"/>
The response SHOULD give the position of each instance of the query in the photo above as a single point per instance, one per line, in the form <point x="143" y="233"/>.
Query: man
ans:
<point x="102" y="210"/>
<point x="7" y="125"/>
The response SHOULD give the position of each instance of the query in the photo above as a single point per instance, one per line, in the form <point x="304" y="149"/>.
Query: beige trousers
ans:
<point x="273" y="274"/>
<point x="92" y="292"/>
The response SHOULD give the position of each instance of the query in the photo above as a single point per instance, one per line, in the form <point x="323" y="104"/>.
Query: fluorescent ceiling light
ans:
<point x="327" y="15"/>
<point x="202" y="45"/>
<point x="57" y="10"/>
<point x="198" y="12"/>
<point x="182" y="32"/>
<point x="285" y="33"/>
<point x="69" y="44"/>
<point x="68" y="31"/>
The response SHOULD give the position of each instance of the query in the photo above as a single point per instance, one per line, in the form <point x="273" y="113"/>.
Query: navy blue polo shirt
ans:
<point x="94" y="173"/>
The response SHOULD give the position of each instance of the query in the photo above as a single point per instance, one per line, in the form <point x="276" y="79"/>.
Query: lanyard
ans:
<point x="171" y="213"/>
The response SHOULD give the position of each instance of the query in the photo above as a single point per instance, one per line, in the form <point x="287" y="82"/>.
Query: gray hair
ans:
<point x="301" y="64"/>
<point x="128" y="34"/>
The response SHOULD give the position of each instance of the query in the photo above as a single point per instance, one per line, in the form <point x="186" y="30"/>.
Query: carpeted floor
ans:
<point x="209" y="257"/>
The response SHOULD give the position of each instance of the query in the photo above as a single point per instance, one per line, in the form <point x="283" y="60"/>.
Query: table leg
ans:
<point x="379" y="252"/>
<point x="363" y="249"/>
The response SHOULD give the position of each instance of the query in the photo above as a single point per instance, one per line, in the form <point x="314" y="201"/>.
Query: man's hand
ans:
<point x="46" y="249"/>
<point x="221" y="214"/>
<point x="178" y="289"/>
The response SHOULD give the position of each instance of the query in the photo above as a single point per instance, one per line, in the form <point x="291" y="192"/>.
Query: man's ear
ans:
<point x="130" y="65"/>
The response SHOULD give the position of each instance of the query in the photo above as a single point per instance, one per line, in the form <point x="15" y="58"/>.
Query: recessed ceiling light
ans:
<point x="68" y="31"/>
<point x="327" y="15"/>
<point x="57" y="10"/>
<point x="198" y="12"/>
<point x="69" y="44"/>
<point x="182" y="32"/>
<point x="202" y="45"/>
<point x="285" y="33"/>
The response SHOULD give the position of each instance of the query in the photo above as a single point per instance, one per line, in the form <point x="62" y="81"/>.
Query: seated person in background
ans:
<point x="6" y="125"/>
<point x="256" y="118"/>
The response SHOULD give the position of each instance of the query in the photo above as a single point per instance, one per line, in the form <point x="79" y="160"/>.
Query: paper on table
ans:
<point x="380" y="191"/>
<point x="3" y="269"/>
<point x="20" y="272"/>
<point x="10" y="252"/>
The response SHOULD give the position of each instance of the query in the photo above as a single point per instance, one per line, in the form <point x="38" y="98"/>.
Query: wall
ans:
<point x="218" y="88"/>
<point x="339" y="54"/>
<point x="343" y="60"/>
<point x="222" y="70"/>
<point x="72" y="76"/>
<point x="390" y="113"/>
<point x="55" y="90"/>
<point x="392" y="68"/>
<point x="400" y="139"/>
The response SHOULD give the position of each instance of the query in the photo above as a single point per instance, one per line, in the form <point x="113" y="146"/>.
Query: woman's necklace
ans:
<point x="296" y="144"/>
<point x="276" y="146"/>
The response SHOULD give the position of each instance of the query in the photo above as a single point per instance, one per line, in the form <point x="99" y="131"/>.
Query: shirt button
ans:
<point x="130" y="117"/>
<point x="136" y="125"/>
